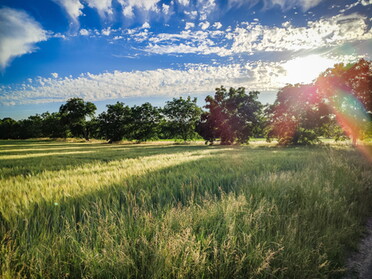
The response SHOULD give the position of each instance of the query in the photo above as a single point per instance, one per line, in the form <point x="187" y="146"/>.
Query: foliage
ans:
<point x="116" y="122"/>
<point x="52" y="125"/>
<point x="231" y="116"/>
<point x="348" y="90"/>
<point x="9" y="128"/>
<point x="297" y="115"/>
<point x="74" y="114"/>
<point x="85" y="210"/>
<point x="182" y="116"/>
<point x="145" y="122"/>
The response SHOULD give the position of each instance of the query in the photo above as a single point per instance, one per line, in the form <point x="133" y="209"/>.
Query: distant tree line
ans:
<point x="338" y="104"/>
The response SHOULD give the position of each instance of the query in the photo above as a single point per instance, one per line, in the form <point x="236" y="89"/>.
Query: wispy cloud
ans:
<point x="143" y="7"/>
<point x="193" y="79"/>
<point x="72" y="8"/>
<point x="283" y="4"/>
<point x="19" y="34"/>
<point x="252" y="37"/>
<point x="103" y="7"/>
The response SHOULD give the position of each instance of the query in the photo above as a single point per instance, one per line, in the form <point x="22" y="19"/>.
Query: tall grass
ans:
<point x="72" y="210"/>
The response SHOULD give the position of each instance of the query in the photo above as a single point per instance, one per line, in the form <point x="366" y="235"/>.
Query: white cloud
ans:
<point x="183" y="2"/>
<point x="19" y="33"/>
<point x="73" y="9"/>
<point x="288" y="4"/>
<point x="326" y="32"/>
<point x="217" y="25"/>
<point x="146" y="25"/>
<point x="204" y="25"/>
<point x="268" y="4"/>
<point x="352" y="5"/>
<point x="142" y="6"/>
<point x="254" y="37"/>
<point x="193" y="79"/>
<point x="165" y="9"/>
<point x="103" y="7"/>
<point x="84" y="32"/>
<point x="106" y="31"/>
<point x="189" y="25"/>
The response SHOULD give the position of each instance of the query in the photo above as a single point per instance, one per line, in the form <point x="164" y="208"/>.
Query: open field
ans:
<point x="93" y="210"/>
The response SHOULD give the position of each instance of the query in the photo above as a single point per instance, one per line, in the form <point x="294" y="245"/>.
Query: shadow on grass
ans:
<point x="153" y="193"/>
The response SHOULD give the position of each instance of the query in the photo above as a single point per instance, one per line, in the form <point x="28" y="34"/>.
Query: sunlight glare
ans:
<point x="306" y="69"/>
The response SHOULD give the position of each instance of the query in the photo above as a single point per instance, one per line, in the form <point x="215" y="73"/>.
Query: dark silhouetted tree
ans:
<point x="297" y="115"/>
<point x="52" y="125"/>
<point x="74" y="114"/>
<point x="9" y="128"/>
<point x="115" y="123"/>
<point x="232" y="116"/>
<point x="31" y="127"/>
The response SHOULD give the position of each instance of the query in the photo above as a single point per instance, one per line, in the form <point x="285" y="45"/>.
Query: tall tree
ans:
<point x="348" y="91"/>
<point x="182" y="116"/>
<point x="31" y="127"/>
<point x="52" y="125"/>
<point x="74" y="114"/>
<point x="145" y="122"/>
<point x="297" y="115"/>
<point x="232" y="116"/>
<point x="115" y="123"/>
<point x="9" y="128"/>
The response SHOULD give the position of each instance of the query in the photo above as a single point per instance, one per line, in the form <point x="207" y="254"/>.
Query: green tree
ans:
<point x="145" y="122"/>
<point x="9" y="128"/>
<point x="232" y="116"/>
<point x="348" y="91"/>
<point x="52" y="126"/>
<point x="182" y="116"/>
<point x="31" y="127"/>
<point x="74" y="114"/>
<point x="115" y="123"/>
<point x="297" y="115"/>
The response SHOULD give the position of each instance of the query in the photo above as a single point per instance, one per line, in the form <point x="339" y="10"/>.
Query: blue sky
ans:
<point x="151" y="50"/>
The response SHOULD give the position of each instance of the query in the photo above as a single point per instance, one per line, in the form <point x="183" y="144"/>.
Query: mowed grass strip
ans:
<point x="183" y="212"/>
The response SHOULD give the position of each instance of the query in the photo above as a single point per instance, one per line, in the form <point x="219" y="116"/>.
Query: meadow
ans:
<point x="164" y="210"/>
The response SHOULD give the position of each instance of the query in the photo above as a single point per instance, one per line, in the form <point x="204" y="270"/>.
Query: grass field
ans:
<point x="93" y="210"/>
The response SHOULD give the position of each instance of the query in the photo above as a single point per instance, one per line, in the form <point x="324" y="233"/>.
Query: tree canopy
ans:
<point x="74" y="114"/>
<point x="231" y="115"/>
<point x="182" y="116"/>
<point x="337" y="104"/>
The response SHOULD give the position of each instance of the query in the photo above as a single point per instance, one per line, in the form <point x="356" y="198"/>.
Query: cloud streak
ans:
<point x="252" y="37"/>
<point x="19" y="34"/>
<point x="193" y="79"/>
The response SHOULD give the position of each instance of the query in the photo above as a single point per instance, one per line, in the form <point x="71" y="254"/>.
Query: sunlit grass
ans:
<point x="180" y="211"/>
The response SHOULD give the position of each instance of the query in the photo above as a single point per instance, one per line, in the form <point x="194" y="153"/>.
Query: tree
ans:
<point x="31" y="127"/>
<point x="116" y="122"/>
<point x="348" y="91"/>
<point x="52" y="125"/>
<point x="232" y="116"/>
<point x="297" y="115"/>
<point x="145" y="122"/>
<point x="182" y="116"/>
<point x="9" y="128"/>
<point x="74" y="114"/>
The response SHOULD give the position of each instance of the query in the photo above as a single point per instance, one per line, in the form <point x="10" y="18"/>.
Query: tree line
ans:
<point x="338" y="104"/>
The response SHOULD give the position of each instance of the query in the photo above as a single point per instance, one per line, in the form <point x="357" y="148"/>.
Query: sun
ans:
<point x="306" y="69"/>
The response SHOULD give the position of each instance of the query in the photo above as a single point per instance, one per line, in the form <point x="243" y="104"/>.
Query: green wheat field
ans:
<point x="165" y="210"/>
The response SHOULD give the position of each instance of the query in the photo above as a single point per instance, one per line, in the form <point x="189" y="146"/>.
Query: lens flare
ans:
<point x="352" y="117"/>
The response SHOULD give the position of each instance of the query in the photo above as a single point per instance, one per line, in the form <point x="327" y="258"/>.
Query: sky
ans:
<point x="137" y="51"/>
